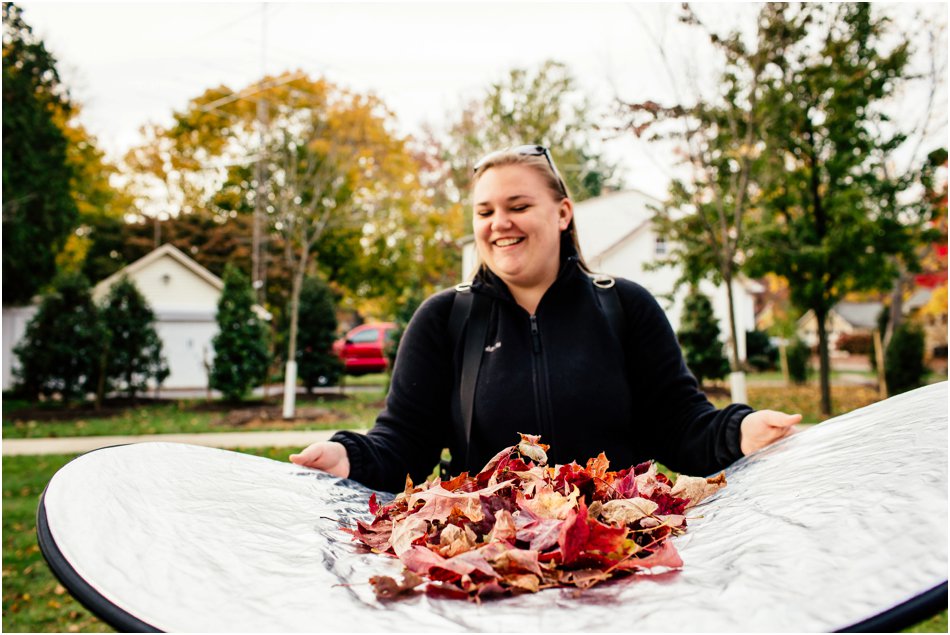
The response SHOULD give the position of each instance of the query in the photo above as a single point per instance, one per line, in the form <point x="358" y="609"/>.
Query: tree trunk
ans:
<point x="824" y="365"/>
<point x="737" y="376"/>
<point x="290" y="372"/>
<point x="896" y="314"/>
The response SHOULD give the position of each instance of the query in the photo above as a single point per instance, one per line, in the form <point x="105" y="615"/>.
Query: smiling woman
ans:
<point x="537" y="344"/>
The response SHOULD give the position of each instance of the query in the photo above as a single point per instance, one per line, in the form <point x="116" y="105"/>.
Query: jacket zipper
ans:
<point x="540" y="382"/>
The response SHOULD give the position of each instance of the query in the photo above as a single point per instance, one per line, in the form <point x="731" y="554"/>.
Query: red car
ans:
<point x="363" y="350"/>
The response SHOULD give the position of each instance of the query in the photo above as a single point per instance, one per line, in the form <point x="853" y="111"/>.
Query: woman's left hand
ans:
<point x="764" y="427"/>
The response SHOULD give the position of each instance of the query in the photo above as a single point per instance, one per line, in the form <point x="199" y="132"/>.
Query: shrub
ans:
<point x="316" y="363"/>
<point x="133" y="349"/>
<point x="904" y="359"/>
<point x="760" y="353"/>
<point x="797" y="354"/>
<point x="241" y="357"/>
<point x="699" y="338"/>
<point x="61" y="349"/>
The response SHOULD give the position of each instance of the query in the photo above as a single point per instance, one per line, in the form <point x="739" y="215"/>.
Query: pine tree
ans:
<point x="699" y="338"/>
<point x="241" y="356"/>
<point x="316" y="363"/>
<point x="133" y="354"/>
<point x="60" y="351"/>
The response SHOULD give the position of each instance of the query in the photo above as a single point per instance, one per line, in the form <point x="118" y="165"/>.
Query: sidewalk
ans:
<point x="75" y="445"/>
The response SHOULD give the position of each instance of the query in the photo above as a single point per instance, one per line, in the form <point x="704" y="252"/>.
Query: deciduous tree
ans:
<point x="830" y="220"/>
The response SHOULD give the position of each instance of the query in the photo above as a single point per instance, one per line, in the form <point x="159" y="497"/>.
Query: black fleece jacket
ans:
<point x="561" y="373"/>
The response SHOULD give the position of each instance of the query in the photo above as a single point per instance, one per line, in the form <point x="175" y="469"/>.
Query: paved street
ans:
<point x="73" y="445"/>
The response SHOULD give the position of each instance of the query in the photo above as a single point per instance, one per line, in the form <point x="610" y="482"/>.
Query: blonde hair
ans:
<point x="554" y="182"/>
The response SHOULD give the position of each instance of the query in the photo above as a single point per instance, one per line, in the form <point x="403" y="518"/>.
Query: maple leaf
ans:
<point x="665" y="556"/>
<point x="625" y="511"/>
<point x="504" y="529"/>
<point x="532" y="448"/>
<point x="547" y="503"/>
<point x="597" y="468"/>
<point x="504" y="557"/>
<point x="605" y="539"/>
<point x="373" y="504"/>
<point x="573" y="535"/>
<point x="523" y="581"/>
<point x="407" y="533"/>
<point x="376" y="535"/>
<point x="583" y="578"/>
<point x="696" y="488"/>
<point x="387" y="588"/>
<point x="454" y="540"/>
<point x="541" y="533"/>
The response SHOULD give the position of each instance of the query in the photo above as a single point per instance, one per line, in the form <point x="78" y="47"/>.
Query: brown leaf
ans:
<point x="387" y="588"/>
<point x="548" y="503"/>
<point x="504" y="529"/>
<point x="532" y="448"/>
<point x="524" y="581"/>
<point x="407" y="532"/>
<point x="454" y="540"/>
<point x="696" y="488"/>
<point x="623" y="511"/>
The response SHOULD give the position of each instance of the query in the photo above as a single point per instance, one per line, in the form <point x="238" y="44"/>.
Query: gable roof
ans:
<point x="607" y="221"/>
<point x="157" y="254"/>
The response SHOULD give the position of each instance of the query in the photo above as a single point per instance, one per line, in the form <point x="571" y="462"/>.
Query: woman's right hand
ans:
<point x="328" y="456"/>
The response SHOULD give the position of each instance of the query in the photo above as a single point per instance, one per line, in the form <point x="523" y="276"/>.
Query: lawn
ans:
<point x="356" y="409"/>
<point x="34" y="601"/>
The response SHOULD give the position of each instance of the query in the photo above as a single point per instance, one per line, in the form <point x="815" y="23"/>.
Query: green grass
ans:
<point x="357" y="410"/>
<point x="33" y="600"/>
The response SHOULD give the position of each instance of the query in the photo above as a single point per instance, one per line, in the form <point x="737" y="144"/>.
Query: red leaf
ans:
<point x="573" y="535"/>
<point x="540" y="534"/>
<point x="665" y="556"/>
<point x="373" y="504"/>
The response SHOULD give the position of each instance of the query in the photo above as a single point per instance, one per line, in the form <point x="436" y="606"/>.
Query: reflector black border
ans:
<point x="903" y="615"/>
<point x="117" y="618"/>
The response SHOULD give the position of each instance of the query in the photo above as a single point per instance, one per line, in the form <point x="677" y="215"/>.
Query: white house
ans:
<point x="617" y="237"/>
<point x="184" y="297"/>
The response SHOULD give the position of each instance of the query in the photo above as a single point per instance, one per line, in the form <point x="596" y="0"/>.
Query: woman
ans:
<point x="553" y="364"/>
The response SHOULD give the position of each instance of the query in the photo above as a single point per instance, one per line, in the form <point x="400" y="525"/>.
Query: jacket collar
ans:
<point x="487" y="282"/>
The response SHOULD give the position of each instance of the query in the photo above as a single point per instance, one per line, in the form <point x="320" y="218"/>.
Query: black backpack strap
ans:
<point x="605" y="289"/>
<point x="473" y="309"/>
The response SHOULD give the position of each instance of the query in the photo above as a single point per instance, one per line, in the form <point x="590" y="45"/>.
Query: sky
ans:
<point x="133" y="63"/>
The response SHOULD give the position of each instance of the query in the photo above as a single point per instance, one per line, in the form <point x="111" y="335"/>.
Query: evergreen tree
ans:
<point x="904" y="359"/>
<point x="38" y="209"/>
<point x="797" y="353"/>
<point x="241" y="356"/>
<point x="699" y="338"/>
<point x="316" y="363"/>
<point x="60" y="351"/>
<point x="133" y="353"/>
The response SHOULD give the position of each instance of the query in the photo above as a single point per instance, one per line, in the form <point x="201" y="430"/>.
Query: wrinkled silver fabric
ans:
<point x="815" y="533"/>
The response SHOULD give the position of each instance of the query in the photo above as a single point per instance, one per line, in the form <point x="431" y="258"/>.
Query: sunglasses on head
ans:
<point x="528" y="150"/>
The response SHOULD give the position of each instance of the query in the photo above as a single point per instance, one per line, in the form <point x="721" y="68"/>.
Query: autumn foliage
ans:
<point x="521" y="526"/>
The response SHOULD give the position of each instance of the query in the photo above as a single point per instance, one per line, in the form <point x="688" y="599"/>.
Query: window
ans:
<point x="661" y="248"/>
<point x="365" y="337"/>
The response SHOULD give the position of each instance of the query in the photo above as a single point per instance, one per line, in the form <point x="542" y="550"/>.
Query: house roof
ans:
<point x="860" y="314"/>
<point x="156" y="254"/>
<point x="610" y="220"/>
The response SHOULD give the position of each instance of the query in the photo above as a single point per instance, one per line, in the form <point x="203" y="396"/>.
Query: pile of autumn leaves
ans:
<point x="520" y="526"/>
